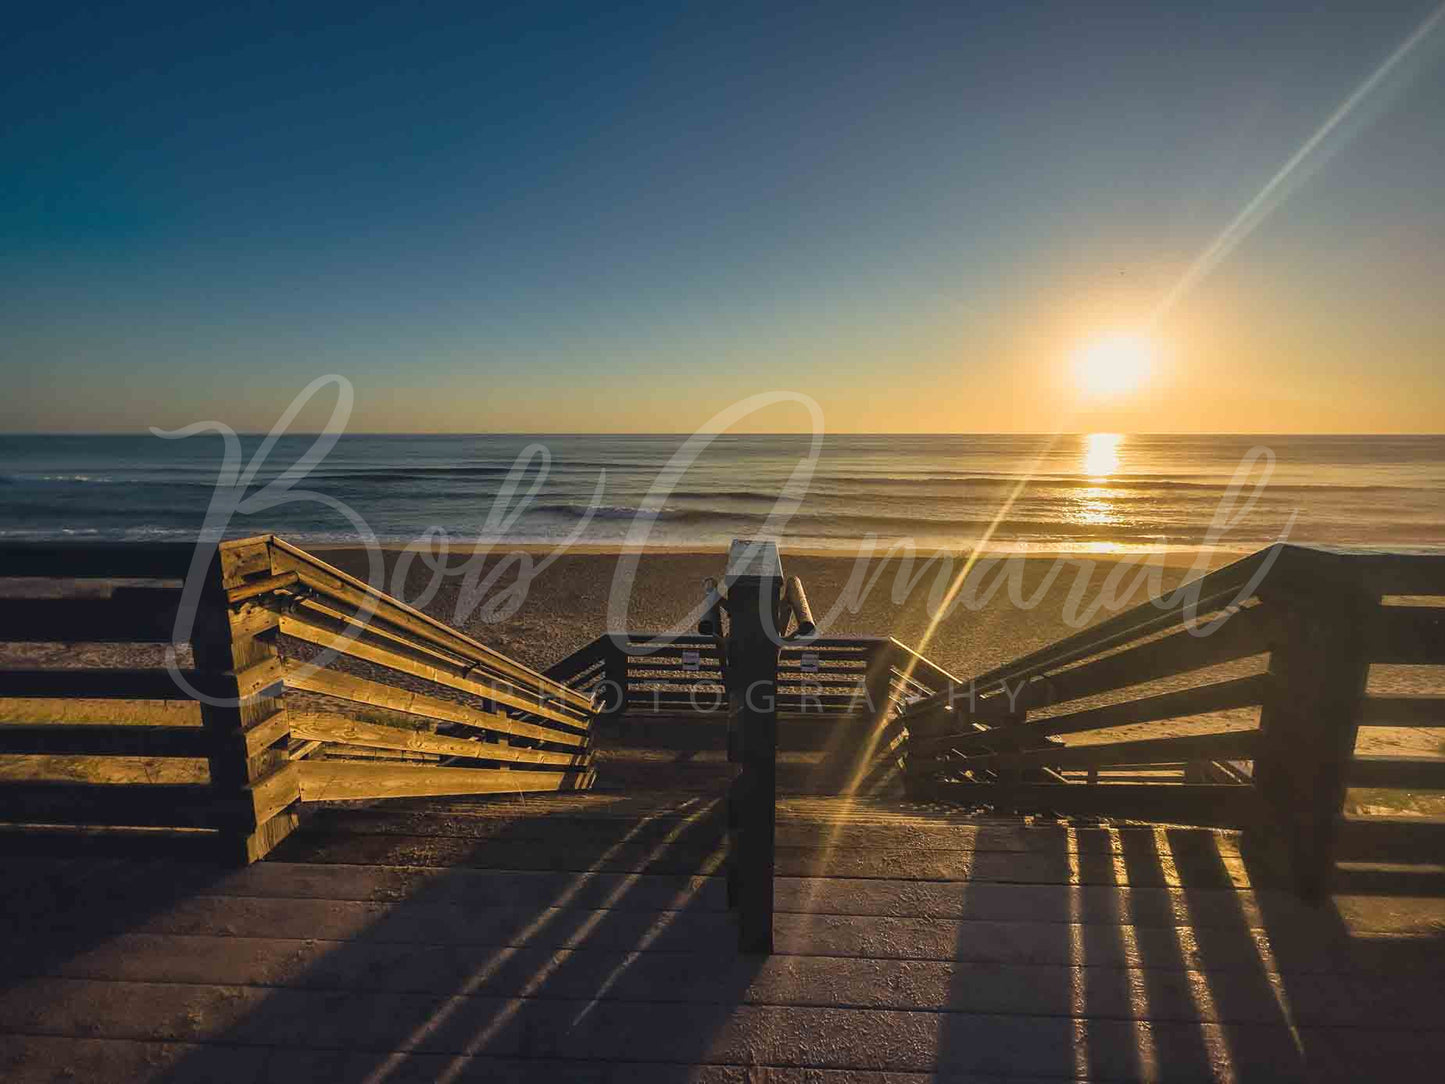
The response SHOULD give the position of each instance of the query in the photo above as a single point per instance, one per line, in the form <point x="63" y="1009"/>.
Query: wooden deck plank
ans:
<point x="577" y="936"/>
<point x="481" y="823"/>
<point x="1232" y="996"/>
<point x="47" y="882"/>
<point x="710" y="934"/>
<point x="802" y="1037"/>
<point x="34" y="1058"/>
<point x="888" y="863"/>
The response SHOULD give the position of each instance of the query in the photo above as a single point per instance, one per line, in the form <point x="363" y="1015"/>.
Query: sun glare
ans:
<point x="1113" y="364"/>
<point x="1101" y="454"/>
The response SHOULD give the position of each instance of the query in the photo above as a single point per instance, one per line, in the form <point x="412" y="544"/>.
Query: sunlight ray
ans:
<point x="1144" y="1045"/>
<point x="1269" y="197"/>
<point x="881" y="712"/>
<point x="1206" y="1012"/>
<point x="1078" y="982"/>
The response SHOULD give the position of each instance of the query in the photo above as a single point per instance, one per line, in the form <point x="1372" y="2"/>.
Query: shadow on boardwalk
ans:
<point x="585" y="938"/>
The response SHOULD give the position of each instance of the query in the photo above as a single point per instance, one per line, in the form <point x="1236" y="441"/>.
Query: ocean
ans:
<point x="1010" y="493"/>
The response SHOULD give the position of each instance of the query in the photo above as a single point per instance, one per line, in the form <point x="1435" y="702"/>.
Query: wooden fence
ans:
<point x="408" y="706"/>
<point x="643" y="674"/>
<point x="1273" y="696"/>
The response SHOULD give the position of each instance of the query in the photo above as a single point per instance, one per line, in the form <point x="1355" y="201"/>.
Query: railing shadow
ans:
<point x="556" y="940"/>
<point x="1143" y="953"/>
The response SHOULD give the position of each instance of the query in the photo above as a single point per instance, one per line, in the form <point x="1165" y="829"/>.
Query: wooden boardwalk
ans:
<point x="585" y="937"/>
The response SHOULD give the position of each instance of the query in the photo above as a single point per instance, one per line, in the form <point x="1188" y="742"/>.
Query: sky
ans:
<point x="548" y="218"/>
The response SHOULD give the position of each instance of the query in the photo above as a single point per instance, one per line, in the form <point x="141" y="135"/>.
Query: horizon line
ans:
<point x="726" y="433"/>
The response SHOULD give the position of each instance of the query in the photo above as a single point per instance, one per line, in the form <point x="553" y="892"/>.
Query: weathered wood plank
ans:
<point x="333" y="727"/>
<point x="260" y="736"/>
<point x="342" y="622"/>
<point x="1249" y="632"/>
<point x="688" y="855"/>
<point x="1401" y="573"/>
<point x="1419" y="772"/>
<point x="36" y="711"/>
<point x="241" y="558"/>
<point x="1406" y="634"/>
<point x="1201" y="700"/>
<point x="1403" y="839"/>
<point x="1226" y="745"/>
<point x="252" y="776"/>
<point x="1175" y="988"/>
<point x="1353" y="920"/>
<point x="551" y="716"/>
<point x="105" y="769"/>
<point x="263" y="586"/>
<point x="375" y="694"/>
<point x="260" y="678"/>
<point x="1209" y="592"/>
<point x="802" y="1037"/>
<point x="357" y="594"/>
<point x="613" y="912"/>
<point x="1219" y="804"/>
<point x="1402" y="711"/>
<point x="329" y="780"/>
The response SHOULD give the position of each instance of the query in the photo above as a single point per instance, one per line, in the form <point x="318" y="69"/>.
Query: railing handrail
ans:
<point x="464" y="645"/>
<point x="1138" y="621"/>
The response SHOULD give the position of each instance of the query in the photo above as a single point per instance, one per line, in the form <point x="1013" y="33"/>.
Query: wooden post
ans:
<point x="755" y="579"/>
<point x="1310" y="718"/>
<point x="614" y="676"/>
<point x="256" y="787"/>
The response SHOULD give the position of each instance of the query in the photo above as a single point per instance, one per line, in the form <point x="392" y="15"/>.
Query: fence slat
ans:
<point x="1218" y="696"/>
<point x="336" y="780"/>
<point x="375" y="694"/>
<point x="1403" y="711"/>
<point x="1249" y="632"/>
<point x="321" y="726"/>
<point x="1414" y="773"/>
<point x="1225" y="745"/>
<point x="359" y="649"/>
<point x="36" y="711"/>
<point x="322" y="576"/>
<point x="1406" y="634"/>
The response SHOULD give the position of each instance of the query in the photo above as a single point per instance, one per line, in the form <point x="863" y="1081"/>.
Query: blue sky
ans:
<point x="556" y="217"/>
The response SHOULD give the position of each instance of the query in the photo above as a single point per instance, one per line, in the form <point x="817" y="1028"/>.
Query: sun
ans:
<point x="1113" y="364"/>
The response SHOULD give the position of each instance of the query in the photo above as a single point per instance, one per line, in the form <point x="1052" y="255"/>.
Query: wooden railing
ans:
<point x="652" y="673"/>
<point x="405" y="706"/>
<point x="762" y="665"/>
<point x="1271" y="739"/>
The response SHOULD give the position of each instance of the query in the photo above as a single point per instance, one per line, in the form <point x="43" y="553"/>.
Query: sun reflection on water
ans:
<point x="1099" y="459"/>
<point x="1101" y="455"/>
